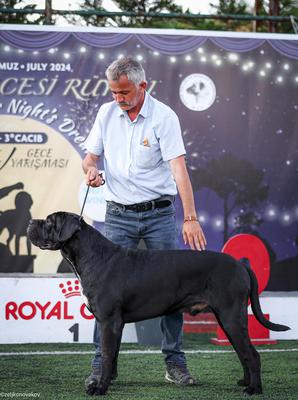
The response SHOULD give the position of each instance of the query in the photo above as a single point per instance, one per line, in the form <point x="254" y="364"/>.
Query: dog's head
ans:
<point x="51" y="233"/>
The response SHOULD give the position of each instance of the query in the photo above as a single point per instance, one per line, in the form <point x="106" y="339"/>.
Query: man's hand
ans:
<point x="93" y="178"/>
<point x="192" y="232"/>
<point x="193" y="235"/>
<point x="89" y="164"/>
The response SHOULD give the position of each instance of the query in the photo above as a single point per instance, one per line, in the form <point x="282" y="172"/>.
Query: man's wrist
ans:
<point x="190" y="218"/>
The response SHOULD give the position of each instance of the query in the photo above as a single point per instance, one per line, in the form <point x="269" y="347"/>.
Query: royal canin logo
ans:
<point x="70" y="289"/>
<point x="28" y="310"/>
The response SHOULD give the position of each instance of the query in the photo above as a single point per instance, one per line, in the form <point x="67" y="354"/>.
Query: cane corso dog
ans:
<point x="124" y="285"/>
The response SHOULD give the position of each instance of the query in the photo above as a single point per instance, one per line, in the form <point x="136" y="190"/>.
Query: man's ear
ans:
<point x="70" y="226"/>
<point x="143" y="85"/>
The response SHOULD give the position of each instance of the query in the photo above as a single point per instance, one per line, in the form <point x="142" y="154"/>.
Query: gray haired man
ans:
<point x="141" y="144"/>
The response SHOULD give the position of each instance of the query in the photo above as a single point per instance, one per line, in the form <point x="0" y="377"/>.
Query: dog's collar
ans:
<point x="73" y="267"/>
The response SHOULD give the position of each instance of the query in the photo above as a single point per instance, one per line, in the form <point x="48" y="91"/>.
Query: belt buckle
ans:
<point x="144" y="207"/>
<point x="138" y="208"/>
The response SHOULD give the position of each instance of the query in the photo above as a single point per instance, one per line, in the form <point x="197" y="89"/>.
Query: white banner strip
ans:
<point x="132" y="352"/>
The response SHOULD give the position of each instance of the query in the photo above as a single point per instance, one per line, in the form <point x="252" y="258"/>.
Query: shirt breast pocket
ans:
<point x="148" y="156"/>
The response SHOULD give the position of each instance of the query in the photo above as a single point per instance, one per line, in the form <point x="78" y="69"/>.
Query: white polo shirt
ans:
<point x="136" y="153"/>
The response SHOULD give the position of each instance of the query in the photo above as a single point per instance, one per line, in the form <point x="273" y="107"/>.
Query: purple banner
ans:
<point x="237" y="103"/>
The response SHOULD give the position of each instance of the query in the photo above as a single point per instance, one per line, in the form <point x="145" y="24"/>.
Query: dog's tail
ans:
<point x="256" y="307"/>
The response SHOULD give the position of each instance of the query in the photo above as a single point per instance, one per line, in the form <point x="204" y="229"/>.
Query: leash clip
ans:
<point x="103" y="181"/>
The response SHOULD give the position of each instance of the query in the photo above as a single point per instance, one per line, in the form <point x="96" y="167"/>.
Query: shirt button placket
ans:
<point x="131" y="127"/>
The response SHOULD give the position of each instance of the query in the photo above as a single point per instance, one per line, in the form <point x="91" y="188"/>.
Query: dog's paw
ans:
<point x="91" y="390"/>
<point x="101" y="390"/>
<point x="114" y="375"/>
<point x="242" y="382"/>
<point x="251" y="390"/>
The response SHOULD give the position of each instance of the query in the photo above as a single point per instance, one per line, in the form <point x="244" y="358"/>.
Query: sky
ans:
<point x="198" y="6"/>
<point x="201" y="6"/>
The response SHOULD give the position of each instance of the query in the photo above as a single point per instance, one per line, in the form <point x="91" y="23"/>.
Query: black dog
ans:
<point x="124" y="285"/>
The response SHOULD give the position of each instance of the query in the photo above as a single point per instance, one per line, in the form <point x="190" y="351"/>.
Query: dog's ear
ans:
<point x="70" y="226"/>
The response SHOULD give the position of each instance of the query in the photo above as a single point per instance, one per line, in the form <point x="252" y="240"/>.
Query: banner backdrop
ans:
<point x="54" y="311"/>
<point x="235" y="95"/>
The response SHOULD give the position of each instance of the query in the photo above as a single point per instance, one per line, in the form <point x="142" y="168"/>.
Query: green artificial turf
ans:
<point x="141" y="376"/>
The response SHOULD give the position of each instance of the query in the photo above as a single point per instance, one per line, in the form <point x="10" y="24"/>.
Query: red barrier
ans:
<point x="201" y="323"/>
<point x="251" y="249"/>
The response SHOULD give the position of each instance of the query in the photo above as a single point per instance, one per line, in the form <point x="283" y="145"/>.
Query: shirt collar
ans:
<point x="143" y="111"/>
<point x="145" y="106"/>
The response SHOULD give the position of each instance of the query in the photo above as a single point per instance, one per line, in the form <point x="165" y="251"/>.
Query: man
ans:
<point x="140" y="139"/>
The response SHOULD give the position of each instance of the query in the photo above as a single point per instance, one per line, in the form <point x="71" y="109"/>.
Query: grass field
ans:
<point x="141" y="376"/>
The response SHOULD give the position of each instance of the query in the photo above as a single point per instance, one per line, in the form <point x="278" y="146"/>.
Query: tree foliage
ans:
<point x="237" y="182"/>
<point x="18" y="18"/>
<point x="161" y="6"/>
<point x="146" y="6"/>
<point x="92" y="20"/>
<point x="285" y="8"/>
<point x="234" y="7"/>
<point x="231" y="7"/>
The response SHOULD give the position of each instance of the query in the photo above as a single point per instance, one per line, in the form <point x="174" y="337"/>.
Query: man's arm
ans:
<point x="192" y="231"/>
<point x="89" y="165"/>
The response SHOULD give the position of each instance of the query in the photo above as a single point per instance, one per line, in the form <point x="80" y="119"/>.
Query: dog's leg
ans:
<point x="115" y="361"/>
<point x="234" y="324"/>
<point x="111" y="332"/>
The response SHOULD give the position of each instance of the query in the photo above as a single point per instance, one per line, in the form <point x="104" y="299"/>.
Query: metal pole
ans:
<point x="257" y="9"/>
<point x="48" y="12"/>
<point x="273" y="11"/>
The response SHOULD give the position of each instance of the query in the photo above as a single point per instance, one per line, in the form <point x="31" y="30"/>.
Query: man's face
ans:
<point x="127" y="94"/>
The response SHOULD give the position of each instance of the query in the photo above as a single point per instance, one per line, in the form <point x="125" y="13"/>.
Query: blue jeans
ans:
<point x="157" y="228"/>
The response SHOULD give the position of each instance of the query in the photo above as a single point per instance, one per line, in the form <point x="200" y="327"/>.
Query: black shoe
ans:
<point x="179" y="375"/>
